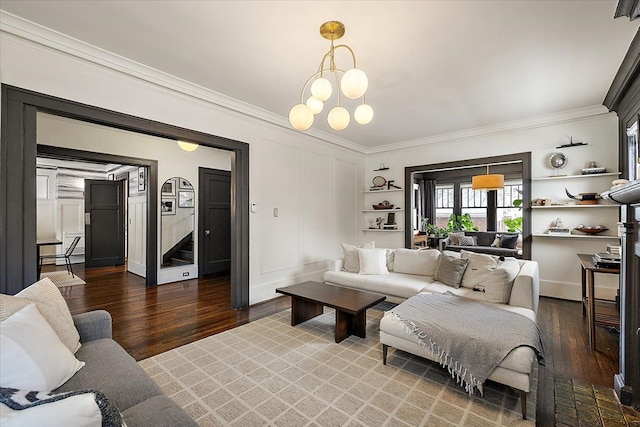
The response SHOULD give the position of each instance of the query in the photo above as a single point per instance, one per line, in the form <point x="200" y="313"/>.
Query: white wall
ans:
<point x="39" y="68"/>
<point x="559" y="265"/>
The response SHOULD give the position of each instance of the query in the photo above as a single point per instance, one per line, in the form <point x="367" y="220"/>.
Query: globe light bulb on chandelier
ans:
<point x="353" y="84"/>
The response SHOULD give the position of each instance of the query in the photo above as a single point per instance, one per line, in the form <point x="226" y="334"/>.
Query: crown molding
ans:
<point x="501" y="128"/>
<point x="36" y="33"/>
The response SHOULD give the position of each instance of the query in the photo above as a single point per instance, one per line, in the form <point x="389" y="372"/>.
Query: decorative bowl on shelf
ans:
<point x="382" y="206"/>
<point x="591" y="229"/>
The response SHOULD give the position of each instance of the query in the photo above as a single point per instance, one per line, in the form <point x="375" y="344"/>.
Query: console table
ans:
<point x="607" y="314"/>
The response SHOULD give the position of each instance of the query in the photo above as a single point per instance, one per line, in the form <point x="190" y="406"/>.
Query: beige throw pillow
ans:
<point x="480" y="265"/>
<point x="350" y="255"/>
<point x="498" y="283"/>
<point x="50" y="304"/>
<point x="411" y="261"/>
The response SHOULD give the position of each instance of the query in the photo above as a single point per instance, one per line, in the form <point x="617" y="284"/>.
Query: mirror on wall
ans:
<point x="177" y="206"/>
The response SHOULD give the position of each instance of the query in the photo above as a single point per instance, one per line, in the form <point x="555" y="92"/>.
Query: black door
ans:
<point x="214" y="221"/>
<point x="104" y="223"/>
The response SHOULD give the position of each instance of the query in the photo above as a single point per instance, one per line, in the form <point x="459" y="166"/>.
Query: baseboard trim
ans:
<point x="572" y="291"/>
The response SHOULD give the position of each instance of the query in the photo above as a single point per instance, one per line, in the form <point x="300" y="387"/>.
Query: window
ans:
<point x="475" y="204"/>
<point x="505" y="210"/>
<point x="444" y="204"/>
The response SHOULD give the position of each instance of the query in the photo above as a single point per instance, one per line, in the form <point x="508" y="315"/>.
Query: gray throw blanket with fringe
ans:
<point x="468" y="337"/>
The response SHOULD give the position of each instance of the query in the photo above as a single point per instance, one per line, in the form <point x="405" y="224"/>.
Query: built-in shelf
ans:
<point x="381" y="230"/>
<point x="382" y="191"/>
<point x="593" y="175"/>
<point x="576" y="236"/>
<point x="574" y="206"/>
<point x="383" y="210"/>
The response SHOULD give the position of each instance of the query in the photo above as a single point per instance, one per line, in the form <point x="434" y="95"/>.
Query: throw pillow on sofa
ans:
<point x="454" y="238"/>
<point x="85" y="408"/>
<point x="450" y="270"/>
<point x="480" y="265"/>
<point x="51" y="305"/>
<point x="32" y="356"/>
<point x="350" y="255"/>
<point x="373" y="261"/>
<point x="467" y="241"/>
<point x="411" y="261"/>
<point x="509" y="241"/>
<point x="499" y="282"/>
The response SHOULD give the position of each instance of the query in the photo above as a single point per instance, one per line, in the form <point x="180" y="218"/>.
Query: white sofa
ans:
<point x="523" y="297"/>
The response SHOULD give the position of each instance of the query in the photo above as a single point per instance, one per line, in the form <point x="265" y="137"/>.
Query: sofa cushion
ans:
<point x="393" y="284"/>
<point x="467" y="241"/>
<point x="51" y="305"/>
<point x="454" y="238"/>
<point x="85" y="408"/>
<point x="508" y="241"/>
<point x="32" y="356"/>
<point x="109" y="368"/>
<point x="450" y="270"/>
<point x="412" y="261"/>
<point x="485" y="238"/>
<point x="499" y="281"/>
<point x="480" y="265"/>
<point x="373" y="261"/>
<point x="157" y="411"/>
<point x="350" y="255"/>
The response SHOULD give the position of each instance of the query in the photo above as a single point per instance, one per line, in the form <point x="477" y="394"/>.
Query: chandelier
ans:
<point x="353" y="85"/>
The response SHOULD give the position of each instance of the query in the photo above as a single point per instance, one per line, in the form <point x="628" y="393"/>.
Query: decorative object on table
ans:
<point x="591" y="229"/>
<point x="382" y="205"/>
<point x="557" y="227"/>
<point x="488" y="181"/>
<point x="593" y="169"/>
<point x="571" y="144"/>
<point x="353" y="85"/>
<point x="584" y="198"/>
<point x="557" y="161"/>
<point x="382" y="167"/>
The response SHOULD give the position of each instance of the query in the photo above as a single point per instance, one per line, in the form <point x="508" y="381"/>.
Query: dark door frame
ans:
<point x="18" y="266"/>
<point x="524" y="158"/>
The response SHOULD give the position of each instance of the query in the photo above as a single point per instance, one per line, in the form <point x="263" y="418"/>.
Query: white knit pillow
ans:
<point x="32" y="356"/>
<point x="51" y="305"/>
<point x="373" y="261"/>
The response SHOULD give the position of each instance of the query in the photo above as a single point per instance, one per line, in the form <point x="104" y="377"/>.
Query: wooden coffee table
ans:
<point x="309" y="298"/>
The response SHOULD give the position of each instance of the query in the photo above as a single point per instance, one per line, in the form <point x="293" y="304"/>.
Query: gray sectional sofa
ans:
<point x="483" y="241"/>
<point x="110" y="369"/>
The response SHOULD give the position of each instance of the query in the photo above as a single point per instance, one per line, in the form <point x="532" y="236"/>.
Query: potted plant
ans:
<point x="461" y="223"/>
<point x="514" y="225"/>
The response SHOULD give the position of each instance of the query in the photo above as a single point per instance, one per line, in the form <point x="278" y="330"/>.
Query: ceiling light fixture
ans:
<point x="488" y="181"/>
<point x="188" y="146"/>
<point x="353" y="85"/>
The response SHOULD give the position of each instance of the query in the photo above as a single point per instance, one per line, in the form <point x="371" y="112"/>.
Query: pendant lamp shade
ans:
<point x="488" y="181"/>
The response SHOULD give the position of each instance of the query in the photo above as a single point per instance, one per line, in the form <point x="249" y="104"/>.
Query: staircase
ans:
<point x="180" y="254"/>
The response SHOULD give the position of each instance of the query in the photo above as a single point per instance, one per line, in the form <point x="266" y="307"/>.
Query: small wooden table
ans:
<point x="39" y="244"/>
<point x="608" y="315"/>
<point x="309" y="298"/>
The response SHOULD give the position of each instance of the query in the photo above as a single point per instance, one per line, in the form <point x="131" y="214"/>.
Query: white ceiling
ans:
<point x="434" y="67"/>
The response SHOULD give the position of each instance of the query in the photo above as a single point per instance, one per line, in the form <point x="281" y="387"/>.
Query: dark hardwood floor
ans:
<point x="149" y="321"/>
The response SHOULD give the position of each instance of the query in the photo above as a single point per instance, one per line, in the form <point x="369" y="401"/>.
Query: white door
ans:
<point x="137" y="235"/>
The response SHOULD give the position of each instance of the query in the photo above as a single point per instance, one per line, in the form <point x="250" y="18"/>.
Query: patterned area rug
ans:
<point x="268" y="373"/>
<point x="62" y="279"/>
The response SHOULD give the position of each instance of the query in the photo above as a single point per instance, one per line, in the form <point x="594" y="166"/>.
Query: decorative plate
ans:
<point x="557" y="160"/>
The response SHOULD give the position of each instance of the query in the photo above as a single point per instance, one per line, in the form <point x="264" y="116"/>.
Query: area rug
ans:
<point x="268" y="373"/>
<point x="62" y="279"/>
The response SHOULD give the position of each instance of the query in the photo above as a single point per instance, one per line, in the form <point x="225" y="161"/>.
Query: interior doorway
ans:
<point x="18" y="252"/>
